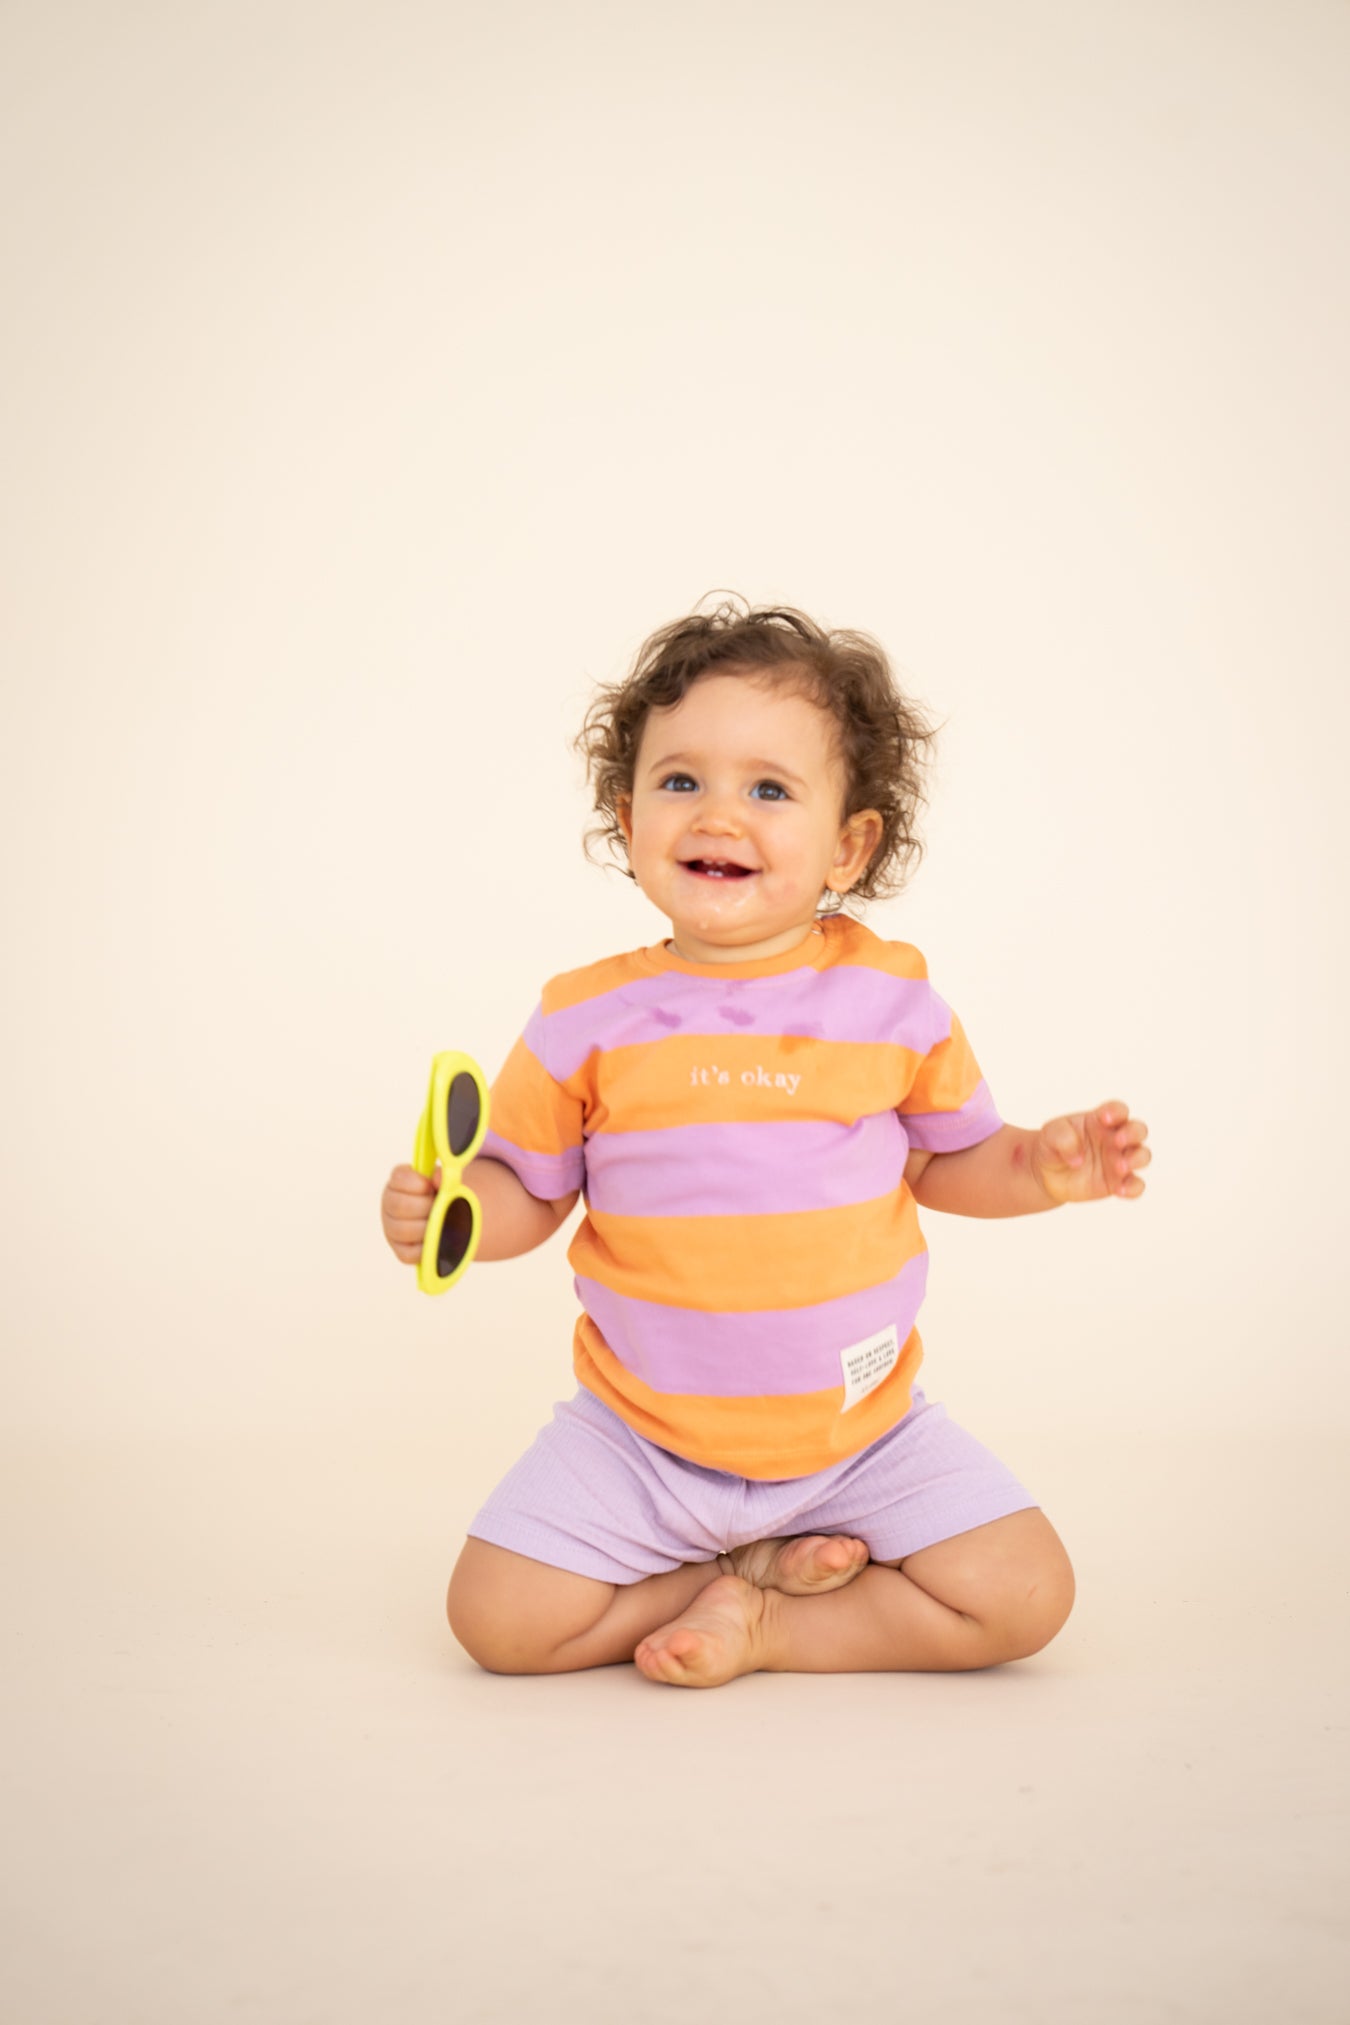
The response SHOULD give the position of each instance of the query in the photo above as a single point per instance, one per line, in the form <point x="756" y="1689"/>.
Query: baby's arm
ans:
<point x="514" y="1221"/>
<point x="1082" y="1157"/>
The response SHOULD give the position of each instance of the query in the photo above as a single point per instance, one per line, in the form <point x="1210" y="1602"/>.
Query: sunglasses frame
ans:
<point x="432" y="1144"/>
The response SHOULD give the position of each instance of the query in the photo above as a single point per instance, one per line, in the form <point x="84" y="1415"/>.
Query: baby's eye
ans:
<point x="776" y="789"/>
<point x="672" y="778"/>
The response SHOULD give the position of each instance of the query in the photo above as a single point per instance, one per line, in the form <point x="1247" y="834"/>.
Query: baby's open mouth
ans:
<point x="717" y="868"/>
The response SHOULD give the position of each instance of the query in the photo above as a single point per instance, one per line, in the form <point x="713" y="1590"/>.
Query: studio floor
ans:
<point x="251" y="1777"/>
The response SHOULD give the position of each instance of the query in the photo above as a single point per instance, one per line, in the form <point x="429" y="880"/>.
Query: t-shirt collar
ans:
<point x="809" y="953"/>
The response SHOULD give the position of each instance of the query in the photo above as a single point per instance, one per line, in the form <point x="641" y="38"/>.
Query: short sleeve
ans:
<point x="948" y="1106"/>
<point x="534" y="1125"/>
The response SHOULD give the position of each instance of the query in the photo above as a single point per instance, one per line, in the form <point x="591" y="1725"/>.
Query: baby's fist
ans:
<point x="1090" y="1154"/>
<point x="405" y="1211"/>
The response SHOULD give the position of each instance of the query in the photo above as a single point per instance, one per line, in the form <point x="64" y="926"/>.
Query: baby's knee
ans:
<point x="501" y="1608"/>
<point x="1043" y="1611"/>
<point x="481" y="1625"/>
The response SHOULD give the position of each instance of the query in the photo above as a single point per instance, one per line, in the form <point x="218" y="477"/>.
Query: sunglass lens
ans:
<point x="455" y="1234"/>
<point x="461" y="1113"/>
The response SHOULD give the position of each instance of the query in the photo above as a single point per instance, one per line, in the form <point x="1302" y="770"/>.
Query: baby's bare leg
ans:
<point x="515" y="1615"/>
<point x="998" y="1592"/>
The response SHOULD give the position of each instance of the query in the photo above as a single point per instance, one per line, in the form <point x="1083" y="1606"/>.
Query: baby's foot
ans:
<point x="721" y="1634"/>
<point x="806" y="1566"/>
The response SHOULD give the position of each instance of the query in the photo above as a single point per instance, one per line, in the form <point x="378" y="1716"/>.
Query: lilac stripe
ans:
<point x="745" y="1170"/>
<point x="547" y="1175"/>
<point x="533" y="1038"/>
<point x="849" y="1003"/>
<point x="951" y="1131"/>
<point x="769" y="1354"/>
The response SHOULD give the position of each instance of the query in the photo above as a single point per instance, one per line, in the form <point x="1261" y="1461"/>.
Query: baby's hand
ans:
<point x="1091" y="1154"/>
<point x="405" y="1211"/>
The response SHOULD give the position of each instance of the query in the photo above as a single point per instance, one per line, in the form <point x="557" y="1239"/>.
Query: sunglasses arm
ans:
<point x="424" y="1145"/>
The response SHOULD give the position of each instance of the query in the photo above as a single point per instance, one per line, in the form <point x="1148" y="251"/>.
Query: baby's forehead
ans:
<point x="762" y="714"/>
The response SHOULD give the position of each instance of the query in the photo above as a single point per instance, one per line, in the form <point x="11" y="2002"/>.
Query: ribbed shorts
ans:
<point x="593" y="1497"/>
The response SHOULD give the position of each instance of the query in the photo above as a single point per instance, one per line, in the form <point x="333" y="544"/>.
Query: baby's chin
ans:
<point x="716" y="922"/>
<point x="707" y="938"/>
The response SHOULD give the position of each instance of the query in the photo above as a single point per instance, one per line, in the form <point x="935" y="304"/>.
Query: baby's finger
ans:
<point x="408" y="1181"/>
<point x="405" y="1215"/>
<point x="1112" y="1113"/>
<point x="406" y="1219"/>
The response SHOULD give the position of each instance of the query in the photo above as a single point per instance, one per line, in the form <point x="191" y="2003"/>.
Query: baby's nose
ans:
<point x="717" y="821"/>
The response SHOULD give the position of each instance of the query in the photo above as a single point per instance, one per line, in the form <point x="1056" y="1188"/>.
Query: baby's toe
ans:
<point x="819" y="1562"/>
<point x="670" y="1653"/>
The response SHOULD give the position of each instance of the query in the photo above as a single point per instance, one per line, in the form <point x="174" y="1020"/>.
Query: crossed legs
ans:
<point x="810" y="1605"/>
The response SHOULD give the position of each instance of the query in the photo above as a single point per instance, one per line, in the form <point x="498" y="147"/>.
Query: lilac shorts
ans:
<point x="595" y="1498"/>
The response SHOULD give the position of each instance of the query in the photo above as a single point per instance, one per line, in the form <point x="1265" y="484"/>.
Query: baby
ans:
<point x="756" y="1108"/>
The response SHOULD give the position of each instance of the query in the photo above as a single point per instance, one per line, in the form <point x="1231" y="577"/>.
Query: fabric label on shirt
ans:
<point x="867" y="1363"/>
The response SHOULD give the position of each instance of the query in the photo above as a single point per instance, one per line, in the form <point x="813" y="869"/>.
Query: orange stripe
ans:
<point x="861" y="948"/>
<point x="947" y="1075"/>
<point x="527" y="1107"/>
<point x="659" y="1083"/>
<point x="591" y="981"/>
<point x="764" y="1438"/>
<point x="741" y="1265"/>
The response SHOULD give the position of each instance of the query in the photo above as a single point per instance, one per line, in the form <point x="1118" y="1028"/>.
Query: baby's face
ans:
<point x="736" y="822"/>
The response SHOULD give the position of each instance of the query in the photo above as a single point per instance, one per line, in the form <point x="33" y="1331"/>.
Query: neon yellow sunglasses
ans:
<point x="451" y="1129"/>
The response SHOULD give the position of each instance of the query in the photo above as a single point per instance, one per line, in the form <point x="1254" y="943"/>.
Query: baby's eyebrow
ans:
<point x="772" y="766"/>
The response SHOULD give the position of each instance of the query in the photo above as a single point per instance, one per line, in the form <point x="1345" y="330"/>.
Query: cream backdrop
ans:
<point x="377" y="377"/>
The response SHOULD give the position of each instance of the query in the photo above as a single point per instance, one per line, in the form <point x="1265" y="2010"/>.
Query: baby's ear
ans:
<point x="623" y="809"/>
<point x="865" y="830"/>
<point x="862" y="834"/>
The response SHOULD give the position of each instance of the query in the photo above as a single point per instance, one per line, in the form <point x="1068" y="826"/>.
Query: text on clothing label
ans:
<point x="867" y="1363"/>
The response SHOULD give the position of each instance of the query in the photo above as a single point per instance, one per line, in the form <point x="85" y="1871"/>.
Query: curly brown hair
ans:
<point x="881" y="738"/>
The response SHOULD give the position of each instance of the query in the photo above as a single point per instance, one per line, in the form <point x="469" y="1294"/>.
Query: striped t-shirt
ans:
<point x="750" y="1263"/>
